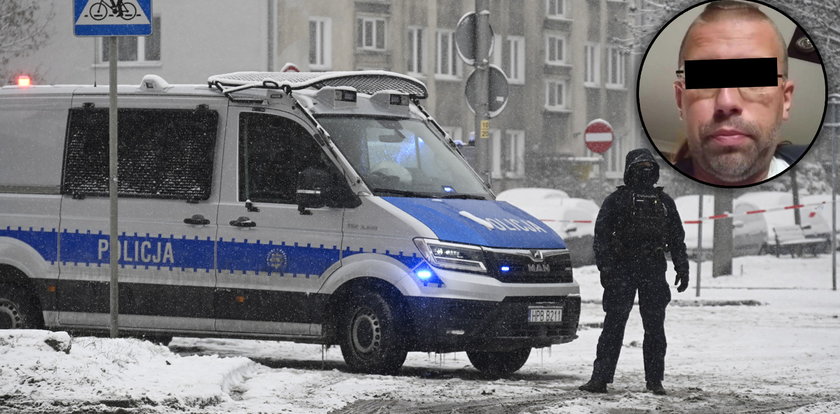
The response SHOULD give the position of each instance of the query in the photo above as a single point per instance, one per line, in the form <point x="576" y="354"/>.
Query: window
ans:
<point x="415" y="55"/>
<point x="591" y="65"/>
<point x="509" y="154"/>
<point x="555" y="95"/>
<point x="136" y="48"/>
<point x="320" y="44"/>
<point x="448" y="63"/>
<point x="272" y="151"/>
<point x="615" y="67"/>
<point x="555" y="50"/>
<point x="393" y="155"/>
<point x="515" y="69"/>
<point x="162" y="153"/>
<point x="370" y="33"/>
<point x="556" y="9"/>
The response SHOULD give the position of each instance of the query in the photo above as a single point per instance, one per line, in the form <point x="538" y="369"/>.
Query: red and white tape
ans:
<point x="716" y="216"/>
<point x="747" y="213"/>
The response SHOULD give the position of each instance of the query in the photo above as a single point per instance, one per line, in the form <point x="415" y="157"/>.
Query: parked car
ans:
<point x="572" y="218"/>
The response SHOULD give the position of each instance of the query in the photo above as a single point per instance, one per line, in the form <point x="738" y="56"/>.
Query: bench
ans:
<point x="792" y="239"/>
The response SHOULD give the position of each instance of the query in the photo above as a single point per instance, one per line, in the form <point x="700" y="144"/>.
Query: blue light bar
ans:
<point x="505" y="268"/>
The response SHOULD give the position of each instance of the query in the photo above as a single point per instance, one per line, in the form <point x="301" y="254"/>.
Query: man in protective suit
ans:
<point x="636" y="225"/>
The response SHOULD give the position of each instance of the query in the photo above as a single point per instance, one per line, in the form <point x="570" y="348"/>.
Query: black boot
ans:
<point x="655" y="387"/>
<point x="595" y="386"/>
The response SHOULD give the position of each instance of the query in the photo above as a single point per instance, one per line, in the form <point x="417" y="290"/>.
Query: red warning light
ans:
<point x="290" y="67"/>
<point x="24" y="80"/>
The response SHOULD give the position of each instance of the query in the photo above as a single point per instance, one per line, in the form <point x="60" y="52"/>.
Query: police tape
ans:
<point x="718" y="216"/>
<point x="760" y="211"/>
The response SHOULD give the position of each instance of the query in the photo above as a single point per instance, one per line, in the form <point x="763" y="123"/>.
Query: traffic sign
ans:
<point x="465" y="39"/>
<point x="598" y="136"/>
<point x="112" y="17"/>
<point x="497" y="95"/>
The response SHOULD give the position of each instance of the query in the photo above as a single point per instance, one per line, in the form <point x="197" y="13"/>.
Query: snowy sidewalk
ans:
<point x="780" y="354"/>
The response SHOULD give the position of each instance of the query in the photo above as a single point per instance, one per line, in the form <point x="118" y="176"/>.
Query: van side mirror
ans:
<point x="312" y="189"/>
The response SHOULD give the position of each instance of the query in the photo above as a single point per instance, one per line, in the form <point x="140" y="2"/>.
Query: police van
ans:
<point x="325" y="208"/>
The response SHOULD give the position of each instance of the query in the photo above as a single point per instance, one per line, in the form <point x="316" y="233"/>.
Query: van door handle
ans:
<point x="243" y="222"/>
<point x="197" y="219"/>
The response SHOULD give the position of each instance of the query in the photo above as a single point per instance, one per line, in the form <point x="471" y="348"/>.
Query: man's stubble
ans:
<point x="736" y="164"/>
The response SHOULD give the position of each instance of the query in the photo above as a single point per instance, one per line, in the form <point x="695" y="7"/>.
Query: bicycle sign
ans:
<point x="112" y="17"/>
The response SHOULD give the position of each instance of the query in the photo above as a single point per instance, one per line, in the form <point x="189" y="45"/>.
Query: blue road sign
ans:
<point x="112" y="17"/>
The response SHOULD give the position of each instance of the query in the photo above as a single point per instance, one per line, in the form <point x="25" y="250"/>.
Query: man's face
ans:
<point x="732" y="132"/>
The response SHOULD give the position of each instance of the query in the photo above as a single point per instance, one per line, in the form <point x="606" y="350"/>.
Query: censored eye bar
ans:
<point x="730" y="73"/>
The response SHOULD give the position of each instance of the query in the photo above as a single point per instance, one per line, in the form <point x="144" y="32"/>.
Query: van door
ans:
<point x="271" y="257"/>
<point x="167" y="217"/>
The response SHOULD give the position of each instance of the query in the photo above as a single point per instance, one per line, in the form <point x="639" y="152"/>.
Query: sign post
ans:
<point x="598" y="137"/>
<point x="833" y="121"/>
<point x="112" y="18"/>
<point x="486" y="89"/>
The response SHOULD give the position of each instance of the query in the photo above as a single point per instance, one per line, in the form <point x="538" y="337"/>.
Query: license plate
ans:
<point x="545" y="315"/>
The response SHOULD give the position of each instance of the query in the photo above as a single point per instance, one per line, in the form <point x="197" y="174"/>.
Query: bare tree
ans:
<point x="23" y="29"/>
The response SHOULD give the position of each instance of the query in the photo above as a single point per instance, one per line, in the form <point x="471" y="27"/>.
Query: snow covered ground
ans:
<point x="766" y="339"/>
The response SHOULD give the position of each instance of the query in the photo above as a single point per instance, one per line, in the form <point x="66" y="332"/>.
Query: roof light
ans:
<point x="154" y="83"/>
<point x="398" y="99"/>
<point x="24" y="81"/>
<point x="337" y="97"/>
<point x="345" y="95"/>
<point x="392" y="101"/>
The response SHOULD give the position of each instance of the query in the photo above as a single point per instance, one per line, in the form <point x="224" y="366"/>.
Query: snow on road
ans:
<point x="766" y="339"/>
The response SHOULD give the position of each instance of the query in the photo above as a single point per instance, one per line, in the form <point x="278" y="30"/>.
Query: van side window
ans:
<point x="272" y="151"/>
<point x="163" y="153"/>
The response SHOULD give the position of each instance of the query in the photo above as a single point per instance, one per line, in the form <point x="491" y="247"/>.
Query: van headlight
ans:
<point x="454" y="256"/>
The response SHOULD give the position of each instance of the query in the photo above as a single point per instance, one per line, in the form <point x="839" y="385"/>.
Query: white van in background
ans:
<point x="323" y="208"/>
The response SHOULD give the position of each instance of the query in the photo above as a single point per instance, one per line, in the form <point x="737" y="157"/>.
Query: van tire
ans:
<point x="17" y="310"/>
<point x="499" y="364"/>
<point x="371" y="341"/>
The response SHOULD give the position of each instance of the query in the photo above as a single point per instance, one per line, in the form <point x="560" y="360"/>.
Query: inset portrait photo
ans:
<point x="732" y="93"/>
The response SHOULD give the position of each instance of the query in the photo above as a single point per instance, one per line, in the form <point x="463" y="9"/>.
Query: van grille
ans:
<point x="529" y="266"/>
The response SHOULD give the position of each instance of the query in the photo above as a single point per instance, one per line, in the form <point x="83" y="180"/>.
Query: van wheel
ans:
<point x="16" y="309"/>
<point x="499" y="364"/>
<point x="371" y="341"/>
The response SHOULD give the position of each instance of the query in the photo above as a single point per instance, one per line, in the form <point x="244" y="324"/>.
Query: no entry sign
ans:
<point x="598" y="136"/>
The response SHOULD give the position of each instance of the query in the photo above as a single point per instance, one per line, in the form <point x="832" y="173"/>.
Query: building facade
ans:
<point x="562" y="66"/>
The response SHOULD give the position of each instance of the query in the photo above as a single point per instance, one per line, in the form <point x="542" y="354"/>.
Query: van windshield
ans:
<point x="403" y="157"/>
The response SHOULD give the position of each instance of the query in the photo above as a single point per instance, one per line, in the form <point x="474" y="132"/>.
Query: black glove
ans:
<point x="681" y="282"/>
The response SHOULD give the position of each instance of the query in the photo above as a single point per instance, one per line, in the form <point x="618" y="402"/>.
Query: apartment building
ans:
<point x="562" y="68"/>
<point x="561" y="63"/>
